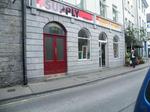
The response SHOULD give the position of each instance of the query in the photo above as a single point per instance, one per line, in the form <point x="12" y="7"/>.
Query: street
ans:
<point x="117" y="94"/>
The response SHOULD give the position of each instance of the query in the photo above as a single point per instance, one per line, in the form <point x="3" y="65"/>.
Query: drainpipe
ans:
<point x="123" y="12"/>
<point x="23" y="4"/>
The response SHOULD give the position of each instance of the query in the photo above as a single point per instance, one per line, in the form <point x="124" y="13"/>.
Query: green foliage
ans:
<point x="143" y="33"/>
<point x="140" y="60"/>
<point x="130" y="36"/>
<point x="127" y="58"/>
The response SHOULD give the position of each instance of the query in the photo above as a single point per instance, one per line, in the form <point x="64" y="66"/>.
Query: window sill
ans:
<point x="84" y="59"/>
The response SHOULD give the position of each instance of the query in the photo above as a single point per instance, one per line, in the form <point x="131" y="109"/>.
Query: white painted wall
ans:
<point x="129" y="11"/>
<point x="94" y="6"/>
<point x="142" y="15"/>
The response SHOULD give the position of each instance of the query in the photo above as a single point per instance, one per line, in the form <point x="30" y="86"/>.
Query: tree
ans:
<point x="143" y="34"/>
<point x="130" y="38"/>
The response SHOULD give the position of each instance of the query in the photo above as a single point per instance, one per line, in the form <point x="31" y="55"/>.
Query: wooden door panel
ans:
<point x="54" y="54"/>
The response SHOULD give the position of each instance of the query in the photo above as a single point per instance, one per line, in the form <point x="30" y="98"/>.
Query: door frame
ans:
<point x="100" y="48"/>
<point x="54" y="44"/>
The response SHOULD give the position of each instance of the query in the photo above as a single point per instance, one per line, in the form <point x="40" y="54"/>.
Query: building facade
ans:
<point x="135" y="17"/>
<point x="73" y="36"/>
<point x="148" y="33"/>
<point x="130" y="13"/>
<point x="134" y="13"/>
<point x="142" y="23"/>
<point x="60" y="37"/>
<point x="10" y="43"/>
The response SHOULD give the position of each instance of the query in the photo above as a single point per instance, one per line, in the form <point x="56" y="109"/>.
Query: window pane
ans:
<point x="54" y="28"/>
<point x="82" y="33"/>
<point x="80" y="3"/>
<point x="49" y="48"/>
<point x="115" y="15"/>
<point x="102" y="8"/>
<point x="147" y="94"/>
<point x="83" y="44"/>
<point x="115" y="50"/>
<point x="102" y="36"/>
<point x="115" y="39"/>
<point x="83" y="49"/>
<point x="60" y="48"/>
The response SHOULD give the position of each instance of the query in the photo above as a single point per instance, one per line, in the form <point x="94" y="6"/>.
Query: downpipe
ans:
<point x="23" y="4"/>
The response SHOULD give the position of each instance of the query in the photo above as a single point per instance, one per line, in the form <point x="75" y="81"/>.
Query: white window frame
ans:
<point x="115" y="9"/>
<point x="88" y="47"/>
<point x="102" y="2"/>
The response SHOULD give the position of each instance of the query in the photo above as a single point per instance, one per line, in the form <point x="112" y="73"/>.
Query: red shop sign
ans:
<point x="63" y="9"/>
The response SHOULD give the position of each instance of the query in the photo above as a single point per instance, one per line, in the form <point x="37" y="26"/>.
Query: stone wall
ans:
<point x="35" y="24"/>
<point x="10" y="43"/>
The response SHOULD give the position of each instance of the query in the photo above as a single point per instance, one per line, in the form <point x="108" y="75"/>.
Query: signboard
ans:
<point x="106" y="23"/>
<point x="66" y="10"/>
<point x="56" y="7"/>
<point x="115" y="26"/>
<point x="102" y="22"/>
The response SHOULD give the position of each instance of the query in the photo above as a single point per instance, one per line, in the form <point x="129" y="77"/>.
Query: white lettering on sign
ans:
<point x="57" y="7"/>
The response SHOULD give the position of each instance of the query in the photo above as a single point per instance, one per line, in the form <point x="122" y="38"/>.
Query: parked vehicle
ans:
<point x="143" y="100"/>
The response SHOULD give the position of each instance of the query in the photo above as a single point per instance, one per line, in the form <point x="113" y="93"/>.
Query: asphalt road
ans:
<point x="116" y="94"/>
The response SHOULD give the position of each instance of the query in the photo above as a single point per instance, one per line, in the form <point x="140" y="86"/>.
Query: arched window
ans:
<point x="83" y="44"/>
<point x="116" y="46"/>
<point x="103" y="36"/>
<point x="54" y="28"/>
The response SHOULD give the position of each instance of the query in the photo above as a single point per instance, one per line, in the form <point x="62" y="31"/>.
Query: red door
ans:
<point x="55" y="58"/>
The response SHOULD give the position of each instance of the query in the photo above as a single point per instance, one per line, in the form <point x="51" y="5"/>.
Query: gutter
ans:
<point x="23" y="5"/>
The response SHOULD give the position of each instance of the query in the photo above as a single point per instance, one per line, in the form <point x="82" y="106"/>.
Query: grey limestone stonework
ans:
<point x="10" y="43"/>
<point x="11" y="48"/>
<point x="35" y="24"/>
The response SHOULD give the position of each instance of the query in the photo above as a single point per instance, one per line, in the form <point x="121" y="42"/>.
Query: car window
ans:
<point x="147" y="94"/>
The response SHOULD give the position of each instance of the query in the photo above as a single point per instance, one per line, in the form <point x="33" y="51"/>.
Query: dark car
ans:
<point x="143" y="100"/>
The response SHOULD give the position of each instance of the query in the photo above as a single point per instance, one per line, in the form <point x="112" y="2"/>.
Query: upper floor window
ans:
<point x="139" y="3"/>
<point x="128" y="5"/>
<point x="103" y="36"/>
<point x="83" y="44"/>
<point x="139" y="21"/>
<point x="80" y="3"/>
<point x="142" y="7"/>
<point x="143" y="23"/>
<point x="126" y="23"/>
<point x="114" y="13"/>
<point x="103" y="8"/>
<point x="116" y="46"/>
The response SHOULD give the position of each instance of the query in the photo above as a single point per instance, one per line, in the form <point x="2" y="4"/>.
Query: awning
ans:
<point x="138" y="44"/>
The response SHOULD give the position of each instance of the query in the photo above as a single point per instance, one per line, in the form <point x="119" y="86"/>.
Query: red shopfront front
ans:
<point x="55" y="35"/>
<point x="55" y="54"/>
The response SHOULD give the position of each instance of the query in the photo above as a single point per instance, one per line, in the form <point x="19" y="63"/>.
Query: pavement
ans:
<point x="51" y="85"/>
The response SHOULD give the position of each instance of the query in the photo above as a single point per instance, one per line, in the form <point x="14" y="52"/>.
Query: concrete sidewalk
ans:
<point x="63" y="83"/>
